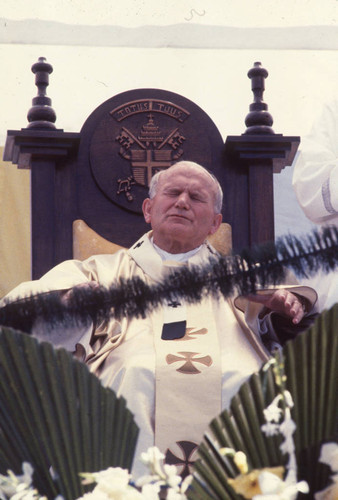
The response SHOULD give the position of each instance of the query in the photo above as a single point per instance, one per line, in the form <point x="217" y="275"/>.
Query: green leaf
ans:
<point x="311" y="367"/>
<point x="56" y="415"/>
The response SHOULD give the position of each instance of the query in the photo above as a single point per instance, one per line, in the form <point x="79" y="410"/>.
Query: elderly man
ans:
<point x="179" y="366"/>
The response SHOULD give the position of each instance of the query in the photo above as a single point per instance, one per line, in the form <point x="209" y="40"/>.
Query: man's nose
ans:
<point x="182" y="200"/>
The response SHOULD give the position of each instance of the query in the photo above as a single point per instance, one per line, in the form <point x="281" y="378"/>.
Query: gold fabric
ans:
<point x="87" y="242"/>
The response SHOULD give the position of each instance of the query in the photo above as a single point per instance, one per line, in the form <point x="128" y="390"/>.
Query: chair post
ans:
<point x="44" y="149"/>
<point x="255" y="156"/>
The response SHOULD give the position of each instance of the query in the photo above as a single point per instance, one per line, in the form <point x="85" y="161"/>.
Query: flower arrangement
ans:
<point x="263" y="417"/>
<point x="268" y="483"/>
<point x="19" y="487"/>
<point x="113" y="483"/>
<point x="116" y="483"/>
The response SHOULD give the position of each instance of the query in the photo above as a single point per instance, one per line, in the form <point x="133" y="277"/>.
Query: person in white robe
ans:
<point x="181" y="365"/>
<point x="315" y="182"/>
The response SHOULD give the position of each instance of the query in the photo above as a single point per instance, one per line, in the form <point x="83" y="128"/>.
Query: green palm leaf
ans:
<point x="56" y="415"/>
<point x="311" y="369"/>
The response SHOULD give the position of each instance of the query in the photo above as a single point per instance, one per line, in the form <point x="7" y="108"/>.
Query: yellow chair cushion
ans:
<point x="86" y="242"/>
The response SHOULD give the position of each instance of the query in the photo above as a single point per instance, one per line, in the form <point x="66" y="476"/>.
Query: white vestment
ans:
<point x="123" y="353"/>
<point x="315" y="182"/>
<point x="315" y="177"/>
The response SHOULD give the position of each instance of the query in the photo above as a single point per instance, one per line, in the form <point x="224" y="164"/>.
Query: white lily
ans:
<point x="270" y="429"/>
<point x="18" y="487"/>
<point x="241" y="462"/>
<point x="273" y="413"/>
<point x="329" y="455"/>
<point x="152" y="458"/>
<point x="111" y="483"/>
<point x="273" y="488"/>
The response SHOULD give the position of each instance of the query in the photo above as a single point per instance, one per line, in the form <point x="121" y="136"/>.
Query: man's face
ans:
<point x="181" y="213"/>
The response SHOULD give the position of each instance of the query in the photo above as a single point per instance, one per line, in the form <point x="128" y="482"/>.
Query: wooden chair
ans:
<point x="100" y="175"/>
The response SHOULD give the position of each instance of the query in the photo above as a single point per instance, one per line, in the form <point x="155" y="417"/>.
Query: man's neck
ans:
<point x="177" y="256"/>
<point x="173" y="246"/>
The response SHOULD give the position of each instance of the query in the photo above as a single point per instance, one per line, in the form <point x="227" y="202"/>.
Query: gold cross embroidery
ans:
<point x="188" y="359"/>
<point x="191" y="332"/>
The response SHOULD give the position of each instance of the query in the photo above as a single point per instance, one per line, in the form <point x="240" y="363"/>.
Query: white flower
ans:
<point x="113" y="475"/>
<point x="227" y="451"/>
<point x="151" y="491"/>
<point x="241" y="462"/>
<point x="288" y="399"/>
<point x="119" y="493"/>
<point x="172" y="479"/>
<point x="175" y="495"/>
<point x="148" y="479"/>
<point x="272" y="413"/>
<point x="94" y="495"/>
<point x="12" y="484"/>
<point x="270" y="429"/>
<point x="269" y="483"/>
<point x="151" y="456"/>
<point x="273" y="488"/>
<point x="329" y="455"/>
<point x="186" y="483"/>
<point x="112" y="483"/>
<point x="287" y="428"/>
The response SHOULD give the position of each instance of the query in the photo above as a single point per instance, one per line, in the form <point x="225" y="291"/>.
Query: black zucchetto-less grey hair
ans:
<point x="218" y="190"/>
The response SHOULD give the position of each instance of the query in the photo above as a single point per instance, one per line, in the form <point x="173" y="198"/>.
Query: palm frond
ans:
<point x="311" y="368"/>
<point x="56" y="415"/>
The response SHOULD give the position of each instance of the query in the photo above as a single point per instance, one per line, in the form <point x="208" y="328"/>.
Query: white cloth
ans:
<point x="122" y="353"/>
<point x="315" y="182"/>
<point x="315" y="177"/>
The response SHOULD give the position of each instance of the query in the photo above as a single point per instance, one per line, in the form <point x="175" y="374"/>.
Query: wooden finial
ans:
<point x="259" y="120"/>
<point x="41" y="115"/>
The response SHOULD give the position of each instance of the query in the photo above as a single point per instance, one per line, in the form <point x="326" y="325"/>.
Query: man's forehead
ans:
<point x="195" y="177"/>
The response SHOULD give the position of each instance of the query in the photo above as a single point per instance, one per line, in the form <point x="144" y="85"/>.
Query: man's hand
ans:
<point x="283" y="302"/>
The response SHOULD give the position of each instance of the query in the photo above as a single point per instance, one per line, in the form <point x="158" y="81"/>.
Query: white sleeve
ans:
<point x="315" y="177"/>
<point x="62" y="277"/>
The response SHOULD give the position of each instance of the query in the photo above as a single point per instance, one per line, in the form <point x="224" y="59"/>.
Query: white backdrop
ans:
<point x="84" y="77"/>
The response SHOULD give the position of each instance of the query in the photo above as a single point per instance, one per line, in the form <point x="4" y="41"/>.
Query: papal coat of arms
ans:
<point x="133" y="135"/>
<point x="147" y="152"/>
<point x="139" y="138"/>
<point x="148" y="147"/>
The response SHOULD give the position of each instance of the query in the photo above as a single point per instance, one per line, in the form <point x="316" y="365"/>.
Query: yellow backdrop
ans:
<point x="15" y="248"/>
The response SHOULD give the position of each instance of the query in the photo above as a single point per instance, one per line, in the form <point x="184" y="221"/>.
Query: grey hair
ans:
<point x="218" y="190"/>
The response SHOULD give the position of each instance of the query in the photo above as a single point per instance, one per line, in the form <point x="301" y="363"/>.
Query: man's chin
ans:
<point x="178" y="219"/>
<point x="181" y="226"/>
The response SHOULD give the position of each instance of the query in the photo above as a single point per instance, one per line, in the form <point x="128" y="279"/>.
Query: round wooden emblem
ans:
<point x="137" y="133"/>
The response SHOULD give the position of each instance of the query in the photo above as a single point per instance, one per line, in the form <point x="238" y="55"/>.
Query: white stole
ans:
<point x="188" y="369"/>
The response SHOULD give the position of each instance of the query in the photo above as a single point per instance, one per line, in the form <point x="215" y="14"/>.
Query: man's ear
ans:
<point x="216" y="224"/>
<point x="146" y="208"/>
